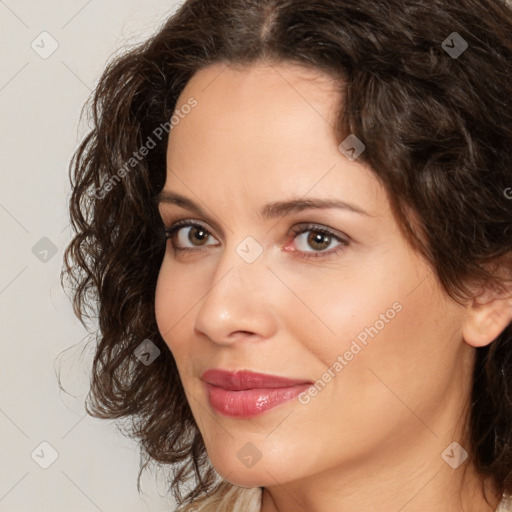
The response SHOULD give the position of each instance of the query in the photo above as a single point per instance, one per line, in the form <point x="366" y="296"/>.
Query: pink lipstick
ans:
<point x="244" y="394"/>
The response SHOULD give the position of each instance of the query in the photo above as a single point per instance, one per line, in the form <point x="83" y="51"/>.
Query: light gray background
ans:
<point x="40" y="102"/>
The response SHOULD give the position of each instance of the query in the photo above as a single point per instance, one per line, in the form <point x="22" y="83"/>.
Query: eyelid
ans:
<point x="176" y="226"/>
<point x="168" y="215"/>
<point x="313" y="226"/>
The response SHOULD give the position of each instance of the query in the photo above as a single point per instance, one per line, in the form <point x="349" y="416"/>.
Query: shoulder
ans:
<point x="227" y="498"/>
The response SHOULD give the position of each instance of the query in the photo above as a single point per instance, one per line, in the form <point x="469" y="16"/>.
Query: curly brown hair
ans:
<point x="440" y="126"/>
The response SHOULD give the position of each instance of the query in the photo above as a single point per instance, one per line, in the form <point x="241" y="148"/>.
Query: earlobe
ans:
<point x="488" y="314"/>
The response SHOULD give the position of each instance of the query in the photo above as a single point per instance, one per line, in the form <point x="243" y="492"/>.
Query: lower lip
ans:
<point x="250" y="402"/>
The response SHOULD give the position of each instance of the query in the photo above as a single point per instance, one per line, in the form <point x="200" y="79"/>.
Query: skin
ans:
<point x="372" y="438"/>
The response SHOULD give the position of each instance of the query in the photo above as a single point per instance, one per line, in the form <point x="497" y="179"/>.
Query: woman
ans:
<point x="293" y="218"/>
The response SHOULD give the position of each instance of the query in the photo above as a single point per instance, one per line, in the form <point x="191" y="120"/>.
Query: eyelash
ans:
<point x="296" y="231"/>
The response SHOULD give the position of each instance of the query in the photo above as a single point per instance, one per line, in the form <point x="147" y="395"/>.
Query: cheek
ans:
<point x="173" y="301"/>
<point x="353" y="303"/>
<point x="400" y="350"/>
<point x="390" y="321"/>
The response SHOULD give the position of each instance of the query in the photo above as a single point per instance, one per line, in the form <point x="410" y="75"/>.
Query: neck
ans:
<point x="424" y="484"/>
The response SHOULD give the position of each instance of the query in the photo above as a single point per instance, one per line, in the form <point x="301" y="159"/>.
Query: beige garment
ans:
<point x="505" y="504"/>
<point x="228" y="498"/>
<point x="239" y="499"/>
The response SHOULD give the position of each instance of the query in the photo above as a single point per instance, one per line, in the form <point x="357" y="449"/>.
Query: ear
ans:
<point x="487" y="315"/>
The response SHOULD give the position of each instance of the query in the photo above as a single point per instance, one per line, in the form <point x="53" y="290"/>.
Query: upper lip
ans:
<point x="243" y="379"/>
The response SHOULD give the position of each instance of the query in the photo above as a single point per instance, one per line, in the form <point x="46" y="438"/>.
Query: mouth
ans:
<point x="245" y="394"/>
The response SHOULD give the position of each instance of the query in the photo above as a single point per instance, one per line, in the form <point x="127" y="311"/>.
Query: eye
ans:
<point x="195" y="234"/>
<point x="319" y="239"/>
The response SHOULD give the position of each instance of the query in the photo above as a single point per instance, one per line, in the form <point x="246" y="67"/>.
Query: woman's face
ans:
<point x="352" y="309"/>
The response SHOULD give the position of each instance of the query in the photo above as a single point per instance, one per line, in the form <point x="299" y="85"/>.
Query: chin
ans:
<point x="234" y="472"/>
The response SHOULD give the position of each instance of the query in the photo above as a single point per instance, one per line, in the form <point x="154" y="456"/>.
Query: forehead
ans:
<point x="268" y="129"/>
<point x="262" y="96"/>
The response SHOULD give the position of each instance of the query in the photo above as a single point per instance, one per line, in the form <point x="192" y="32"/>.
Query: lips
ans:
<point x="244" y="394"/>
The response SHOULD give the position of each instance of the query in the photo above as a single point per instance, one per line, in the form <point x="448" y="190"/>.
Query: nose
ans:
<point x="238" y="304"/>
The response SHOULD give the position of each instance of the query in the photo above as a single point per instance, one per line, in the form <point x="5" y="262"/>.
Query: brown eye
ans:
<point x="187" y="235"/>
<point x="197" y="235"/>
<point x="318" y="239"/>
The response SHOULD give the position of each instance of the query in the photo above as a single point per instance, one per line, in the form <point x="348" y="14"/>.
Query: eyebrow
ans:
<point x="276" y="209"/>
